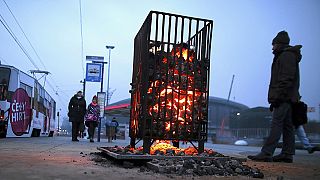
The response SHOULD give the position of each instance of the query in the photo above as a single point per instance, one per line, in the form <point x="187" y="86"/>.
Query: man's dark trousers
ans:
<point x="75" y="129"/>
<point x="281" y="124"/>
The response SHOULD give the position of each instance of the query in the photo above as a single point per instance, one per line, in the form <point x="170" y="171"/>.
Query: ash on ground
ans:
<point x="225" y="167"/>
<point x="217" y="167"/>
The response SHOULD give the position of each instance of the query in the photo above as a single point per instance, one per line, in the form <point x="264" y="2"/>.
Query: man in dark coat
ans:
<point x="283" y="91"/>
<point x="77" y="110"/>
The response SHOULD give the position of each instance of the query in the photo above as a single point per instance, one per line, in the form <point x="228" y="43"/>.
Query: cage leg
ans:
<point x="200" y="146"/>
<point x="146" y="145"/>
<point x="175" y="144"/>
<point x="132" y="142"/>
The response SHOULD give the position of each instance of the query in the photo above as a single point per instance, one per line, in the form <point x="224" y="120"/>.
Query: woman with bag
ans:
<point x="92" y="117"/>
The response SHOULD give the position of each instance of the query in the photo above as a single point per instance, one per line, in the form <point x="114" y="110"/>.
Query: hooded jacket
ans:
<point x="77" y="109"/>
<point x="285" y="76"/>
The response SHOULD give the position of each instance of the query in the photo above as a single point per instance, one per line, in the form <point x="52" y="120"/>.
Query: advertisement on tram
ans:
<point x="26" y="109"/>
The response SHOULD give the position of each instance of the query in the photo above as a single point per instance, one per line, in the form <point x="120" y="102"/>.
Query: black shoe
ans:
<point x="91" y="140"/>
<point x="311" y="149"/>
<point x="261" y="157"/>
<point x="75" y="140"/>
<point x="283" y="158"/>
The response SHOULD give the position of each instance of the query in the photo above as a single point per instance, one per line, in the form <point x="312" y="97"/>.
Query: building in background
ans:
<point x="219" y="115"/>
<point x="229" y="121"/>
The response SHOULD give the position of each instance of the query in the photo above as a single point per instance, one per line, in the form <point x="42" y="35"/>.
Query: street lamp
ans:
<point x="58" y="114"/>
<point x="108" y="47"/>
<point x="84" y="87"/>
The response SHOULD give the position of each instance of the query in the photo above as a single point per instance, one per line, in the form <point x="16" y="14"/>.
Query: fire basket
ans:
<point x="170" y="80"/>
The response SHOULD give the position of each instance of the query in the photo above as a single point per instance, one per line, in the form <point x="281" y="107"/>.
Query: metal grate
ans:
<point x="170" y="80"/>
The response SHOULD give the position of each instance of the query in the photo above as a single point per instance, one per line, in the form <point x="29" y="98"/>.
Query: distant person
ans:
<point x="110" y="129"/>
<point x="304" y="140"/>
<point x="283" y="91"/>
<point x="77" y="110"/>
<point x="92" y="117"/>
<point x="116" y="125"/>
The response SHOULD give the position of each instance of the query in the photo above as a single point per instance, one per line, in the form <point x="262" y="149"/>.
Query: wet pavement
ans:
<point x="60" y="158"/>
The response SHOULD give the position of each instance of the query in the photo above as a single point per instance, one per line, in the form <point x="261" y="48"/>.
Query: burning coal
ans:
<point x="174" y="98"/>
<point x="164" y="147"/>
<point x="176" y="93"/>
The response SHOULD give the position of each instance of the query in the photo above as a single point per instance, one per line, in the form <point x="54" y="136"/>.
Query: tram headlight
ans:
<point x="1" y="115"/>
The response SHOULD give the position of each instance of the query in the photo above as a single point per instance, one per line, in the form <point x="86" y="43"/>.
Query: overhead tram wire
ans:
<point x="25" y="35"/>
<point x="82" y="63"/>
<point x="51" y="86"/>
<point x="7" y="27"/>
<point x="4" y="23"/>
<point x="45" y="68"/>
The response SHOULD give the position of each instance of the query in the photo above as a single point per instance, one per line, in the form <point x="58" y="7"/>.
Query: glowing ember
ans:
<point x="175" y="96"/>
<point x="164" y="146"/>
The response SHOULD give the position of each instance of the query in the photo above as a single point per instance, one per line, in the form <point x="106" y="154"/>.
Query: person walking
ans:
<point x="304" y="140"/>
<point x="77" y="110"/>
<point x="92" y="117"/>
<point x="116" y="125"/>
<point x="283" y="91"/>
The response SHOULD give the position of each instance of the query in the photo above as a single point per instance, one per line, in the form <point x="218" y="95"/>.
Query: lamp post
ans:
<point x="107" y="95"/>
<point x="84" y="87"/>
<point x="108" y="47"/>
<point x="58" y="114"/>
<point x="238" y="123"/>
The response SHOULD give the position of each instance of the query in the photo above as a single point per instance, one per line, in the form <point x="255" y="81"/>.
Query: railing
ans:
<point x="250" y="132"/>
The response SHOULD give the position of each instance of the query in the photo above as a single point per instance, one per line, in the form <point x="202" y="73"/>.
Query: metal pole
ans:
<point x="108" y="77"/>
<point x="230" y="87"/>
<point x="101" y="90"/>
<point x="108" y="81"/>
<point x="109" y="47"/>
<point x="84" y="87"/>
<point x="58" y="114"/>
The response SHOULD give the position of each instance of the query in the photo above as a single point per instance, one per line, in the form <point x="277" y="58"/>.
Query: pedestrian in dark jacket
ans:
<point x="77" y="110"/>
<point x="283" y="91"/>
<point x="92" y="117"/>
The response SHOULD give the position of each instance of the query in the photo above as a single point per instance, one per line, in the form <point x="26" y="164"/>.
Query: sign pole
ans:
<point x="101" y="103"/>
<point x="101" y="90"/>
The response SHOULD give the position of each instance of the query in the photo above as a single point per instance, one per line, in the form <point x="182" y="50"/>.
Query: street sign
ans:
<point x="93" y="72"/>
<point x="101" y="102"/>
<point x="95" y="58"/>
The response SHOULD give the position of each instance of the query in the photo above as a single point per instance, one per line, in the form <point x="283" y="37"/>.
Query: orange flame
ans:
<point x="176" y="98"/>
<point x="164" y="145"/>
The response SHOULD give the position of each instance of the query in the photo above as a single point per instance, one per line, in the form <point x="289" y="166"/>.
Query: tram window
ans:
<point x="27" y="88"/>
<point x="4" y="83"/>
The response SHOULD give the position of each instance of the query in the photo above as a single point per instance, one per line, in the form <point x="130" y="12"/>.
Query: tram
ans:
<point x="26" y="108"/>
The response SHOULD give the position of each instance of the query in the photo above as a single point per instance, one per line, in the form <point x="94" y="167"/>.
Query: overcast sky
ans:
<point x="241" y="44"/>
